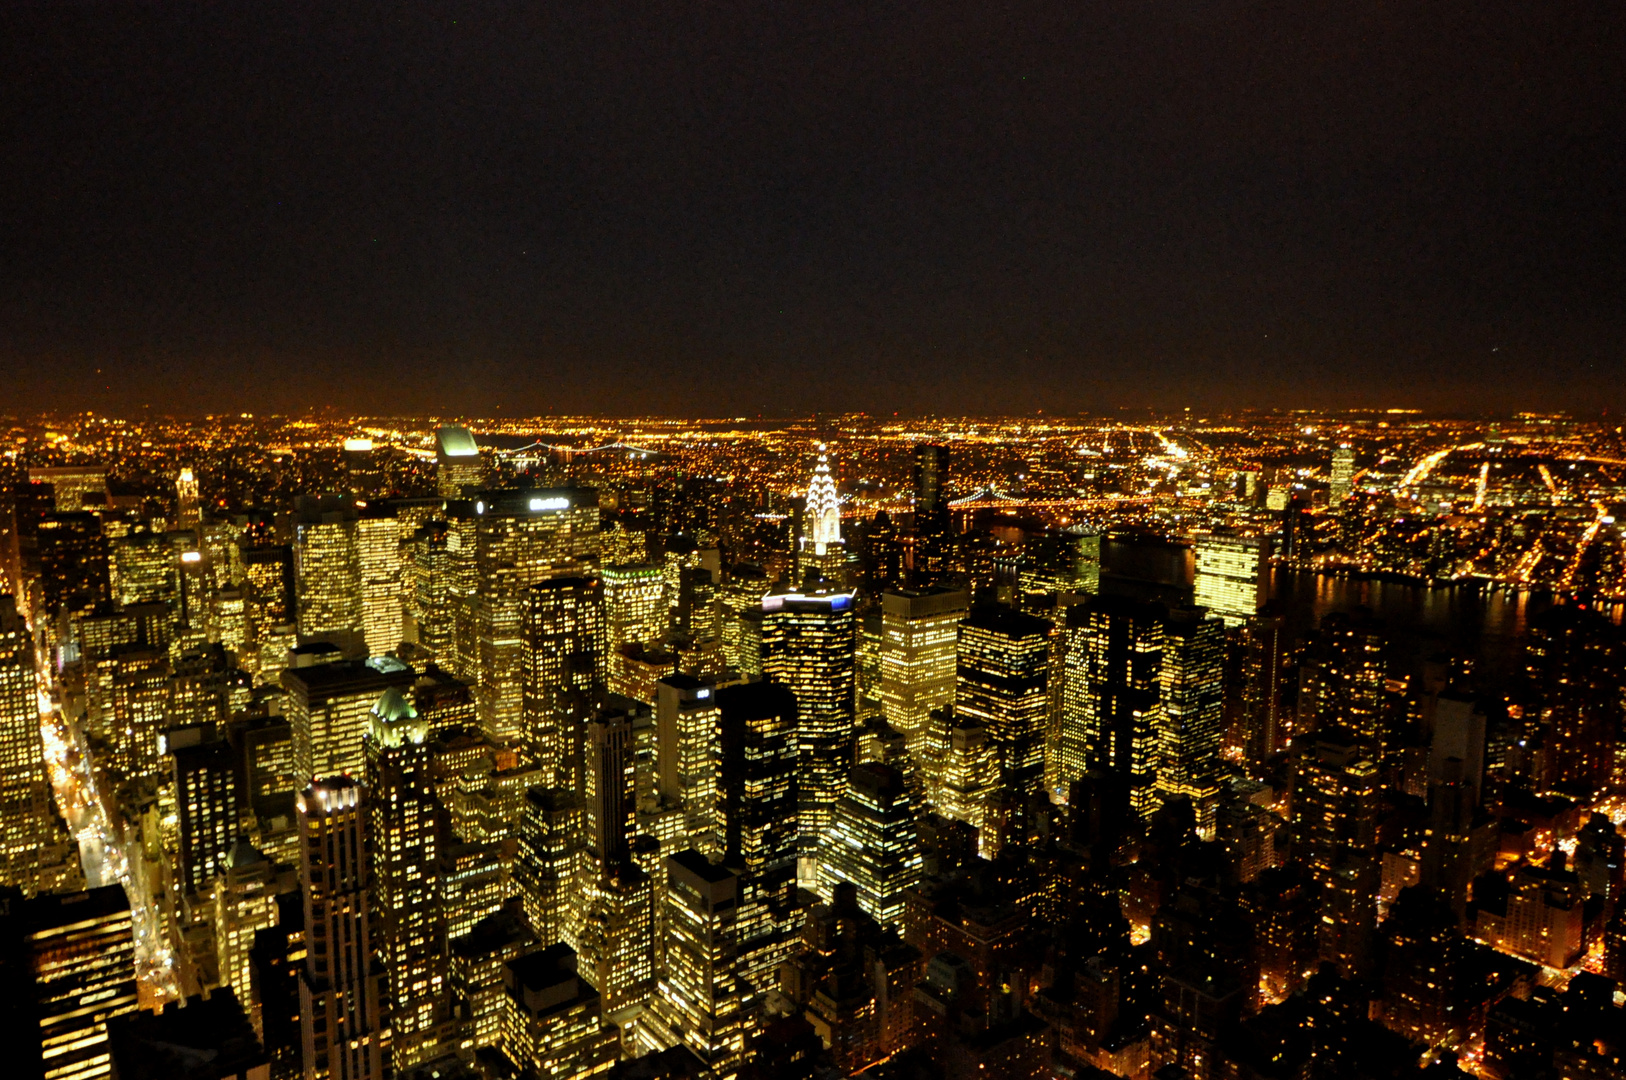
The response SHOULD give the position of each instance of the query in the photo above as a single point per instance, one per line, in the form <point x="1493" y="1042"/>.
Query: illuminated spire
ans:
<point x="823" y="507"/>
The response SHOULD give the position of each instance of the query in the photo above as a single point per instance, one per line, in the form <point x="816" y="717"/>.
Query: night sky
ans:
<point x="726" y="208"/>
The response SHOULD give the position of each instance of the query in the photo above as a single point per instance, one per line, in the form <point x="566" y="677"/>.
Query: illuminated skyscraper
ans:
<point x="1003" y="680"/>
<point x="549" y="861"/>
<point x="427" y="595"/>
<point x="702" y="1001"/>
<point x="1336" y="801"/>
<point x="378" y="561"/>
<point x="327" y="573"/>
<point x="758" y="778"/>
<point x="963" y="783"/>
<point x="75" y="959"/>
<point x="405" y="830"/>
<point x="330" y="708"/>
<point x="873" y="843"/>
<point x="344" y="1035"/>
<point x="564" y="674"/>
<point x="458" y="470"/>
<point x="931" y="481"/>
<point x="521" y="538"/>
<point x="1112" y="710"/>
<point x="187" y="514"/>
<point x="1343" y="473"/>
<point x="688" y="755"/>
<point x="635" y="613"/>
<point x="1228" y="574"/>
<point x="140" y="710"/>
<point x="145" y="567"/>
<point x="809" y="645"/>
<point x="1192" y="690"/>
<point x="918" y="649"/>
<point x="245" y="902"/>
<point x="553" y="1021"/>
<point x="34" y="846"/>
<point x="206" y="807"/>
<point x="822" y="547"/>
<point x="615" y="899"/>
<point x="1264" y="725"/>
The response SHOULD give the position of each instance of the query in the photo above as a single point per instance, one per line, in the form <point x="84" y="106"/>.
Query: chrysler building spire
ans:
<point x="823" y="507"/>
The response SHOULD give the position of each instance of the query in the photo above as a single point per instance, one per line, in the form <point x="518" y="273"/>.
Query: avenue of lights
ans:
<point x="1265" y="745"/>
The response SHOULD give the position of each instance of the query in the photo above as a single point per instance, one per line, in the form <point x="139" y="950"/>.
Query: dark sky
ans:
<point x="718" y="208"/>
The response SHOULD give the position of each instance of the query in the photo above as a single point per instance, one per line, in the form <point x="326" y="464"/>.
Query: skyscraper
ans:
<point x="1112" y="710"/>
<point x="327" y="573"/>
<point x="1264" y="725"/>
<point x="378" y="568"/>
<point x="522" y="537"/>
<point x="1336" y="799"/>
<point x="931" y="481"/>
<point x="918" y="656"/>
<point x="635" y="613"/>
<point x="689" y="754"/>
<point x="553" y="1022"/>
<point x="406" y="890"/>
<point x="873" y="843"/>
<point x="344" y="1035"/>
<point x="1343" y="473"/>
<point x="76" y="957"/>
<point x="702" y="1000"/>
<point x="458" y="470"/>
<point x="822" y="547"/>
<point x="206" y="805"/>
<point x="330" y="708"/>
<point x="809" y="645"/>
<point x="1002" y="680"/>
<point x="34" y="846"/>
<point x="758" y="814"/>
<point x="1228" y="575"/>
<point x="564" y="674"/>
<point x="1192" y="690"/>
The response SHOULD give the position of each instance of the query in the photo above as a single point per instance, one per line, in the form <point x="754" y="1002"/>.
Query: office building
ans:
<point x="244" y="895"/>
<point x="329" y="707"/>
<point x="204" y="772"/>
<point x="379" y="570"/>
<point x="522" y="537"/>
<point x="1191" y="688"/>
<point x="1002" y="681"/>
<point x="564" y="672"/>
<point x="701" y="1000"/>
<point x="1336" y="800"/>
<point x="873" y="843"/>
<point x="758" y="817"/>
<point x="688" y="755"/>
<point x="343" y="1031"/>
<point x="1111" y="707"/>
<point x="36" y="852"/>
<point x="458" y="469"/>
<point x="553" y="1023"/>
<point x="1264" y="722"/>
<point x="635" y="614"/>
<point x="410" y="925"/>
<point x="809" y="646"/>
<point x="1229" y="573"/>
<point x="918" y="656"/>
<point x="822" y="549"/>
<point x="75" y="957"/>
<point x="327" y="573"/>
<point x="1343" y="474"/>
